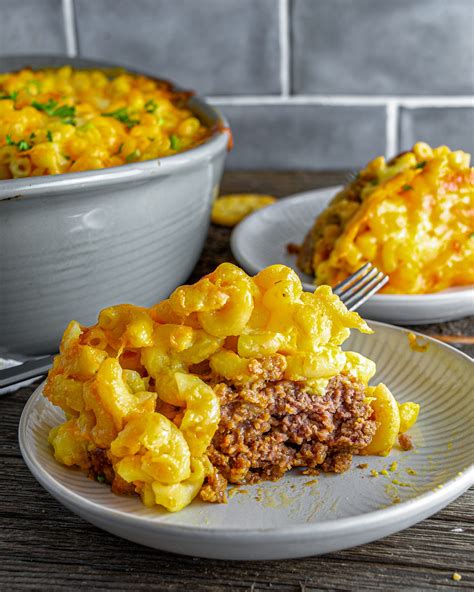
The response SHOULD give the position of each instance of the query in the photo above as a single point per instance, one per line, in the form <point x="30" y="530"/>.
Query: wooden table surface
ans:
<point x="43" y="546"/>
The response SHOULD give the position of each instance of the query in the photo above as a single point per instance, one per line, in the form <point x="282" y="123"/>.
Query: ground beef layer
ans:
<point x="269" y="427"/>
<point x="101" y="469"/>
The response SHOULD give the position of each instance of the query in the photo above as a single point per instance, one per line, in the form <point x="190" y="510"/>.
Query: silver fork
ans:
<point x="353" y="291"/>
<point x="360" y="286"/>
<point x="349" y="177"/>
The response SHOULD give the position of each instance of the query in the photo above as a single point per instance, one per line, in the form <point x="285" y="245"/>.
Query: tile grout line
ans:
<point x="409" y="102"/>
<point x="69" y="27"/>
<point x="391" y="129"/>
<point x="284" y="34"/>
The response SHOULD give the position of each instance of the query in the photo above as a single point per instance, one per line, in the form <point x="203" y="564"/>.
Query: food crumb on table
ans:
<point x="457" y="577"/>
<point x="229" y="210"/>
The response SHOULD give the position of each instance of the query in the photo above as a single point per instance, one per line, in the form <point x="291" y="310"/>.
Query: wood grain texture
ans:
<point x="43" y="546"/>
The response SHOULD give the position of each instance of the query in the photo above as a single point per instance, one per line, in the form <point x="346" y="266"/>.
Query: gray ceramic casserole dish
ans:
<point x="75" y="243"/>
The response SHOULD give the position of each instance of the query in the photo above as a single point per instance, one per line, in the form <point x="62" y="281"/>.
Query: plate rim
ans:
<point x="313" y="195"/>
<point x="407" y="510"/>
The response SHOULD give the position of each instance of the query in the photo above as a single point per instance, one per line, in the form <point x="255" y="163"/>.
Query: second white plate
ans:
<point x="261" y="239"/>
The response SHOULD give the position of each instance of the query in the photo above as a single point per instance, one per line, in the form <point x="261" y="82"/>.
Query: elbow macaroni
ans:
<point x="63" y="120"/>
<point x="412" y="218"/>
<point x="134" y="385"/>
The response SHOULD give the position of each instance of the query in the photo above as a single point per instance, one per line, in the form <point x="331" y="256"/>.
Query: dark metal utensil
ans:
<point x="30" y="369"/>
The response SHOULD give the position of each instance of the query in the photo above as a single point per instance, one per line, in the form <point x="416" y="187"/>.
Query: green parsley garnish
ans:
<point x="100" y="478"/>
<point x="407" y="188"/>
<point x="175" y="142"/>
<point x="471" y="235"/>
<point x="374" y="182"/>
<point x="49" y="136"/>
<point x="12" y="96"/>
<point x="120" y="148"/>
<point x="421" y="165"/>
<point x="132" y="156"/>
<point x="150" y="106"/>
<point x="122" y="116"/>
<point x="47" y="107"/>
<point x="65" y="112"/>
<point x="22" y="145"/>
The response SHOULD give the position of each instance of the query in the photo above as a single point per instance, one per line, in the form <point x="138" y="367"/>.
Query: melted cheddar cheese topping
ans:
<point x="64" y="120"/>
<point x="413" y="218"/>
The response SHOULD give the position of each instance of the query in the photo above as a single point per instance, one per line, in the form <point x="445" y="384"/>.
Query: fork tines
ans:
<point x="360" y="286"/>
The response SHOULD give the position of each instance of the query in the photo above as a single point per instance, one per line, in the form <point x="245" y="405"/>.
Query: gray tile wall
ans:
<point x="305" y="136"/>
<point x="308" y="84"/>
<point x="31" y="26"/>
<point x="373" y="47"/>
<point x="206" y="44"/>
<point x="450" y="126"/>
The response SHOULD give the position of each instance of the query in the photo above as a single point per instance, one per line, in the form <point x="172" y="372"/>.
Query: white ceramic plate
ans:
<point x="260" y="240"/>
<point x="300" y="515"/>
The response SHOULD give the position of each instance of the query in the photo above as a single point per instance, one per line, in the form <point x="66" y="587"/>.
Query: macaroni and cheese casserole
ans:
<point x="412" y="217"/>
<point x="64" y="120"/>
<point x="233" y="379"/>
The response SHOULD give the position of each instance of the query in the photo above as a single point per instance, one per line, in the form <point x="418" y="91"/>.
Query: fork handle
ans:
<point x="31" y="369"/>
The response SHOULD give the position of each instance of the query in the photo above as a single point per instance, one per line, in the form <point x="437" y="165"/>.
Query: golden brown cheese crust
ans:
<point x="411" y="217"/>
